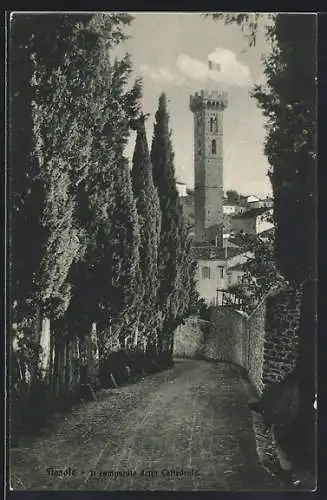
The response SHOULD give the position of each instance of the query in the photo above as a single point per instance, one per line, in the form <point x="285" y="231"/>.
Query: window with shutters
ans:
<point x="206" y="272"/>
<point x="221" y="272"/>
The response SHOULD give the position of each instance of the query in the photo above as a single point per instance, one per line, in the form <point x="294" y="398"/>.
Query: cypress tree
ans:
<point x="106" y="278"/>
<point x="148" y="208"/>
<point x="185" y="297"/>
<point x="188" y="293"/>
<point x="71" y="116"/>
<point x="44" y="240"/>
<point x="162" y="158"/>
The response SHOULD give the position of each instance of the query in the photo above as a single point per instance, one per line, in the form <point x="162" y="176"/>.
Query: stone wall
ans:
<point x="223" y="338"/>
<point x="227" y="338"/>
<point x="189" y="338"/>
<point x="264" y="343"/>
<point x="256" y="345"/>
<point x="281" y="335"/>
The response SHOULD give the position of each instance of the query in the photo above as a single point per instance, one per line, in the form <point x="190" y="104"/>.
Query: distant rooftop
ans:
<point x="252" y="197"/>
<point x="210" y="252"/>
<point x="249" y="214"/>
<point x="237" y="240"/>
<point x="231" y="203"/>
<point x="237" y="267"/>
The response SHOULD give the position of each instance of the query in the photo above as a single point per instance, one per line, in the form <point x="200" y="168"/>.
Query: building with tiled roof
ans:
<point x="253" y="221"/>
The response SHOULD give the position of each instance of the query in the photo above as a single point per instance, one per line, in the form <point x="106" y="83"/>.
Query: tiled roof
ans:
<point x="231" y="203"/>
<point x="210" y="252"/>
<point x="237" y="267"/>
<point x="249" y="214"/>
<point x="237" y="240"/>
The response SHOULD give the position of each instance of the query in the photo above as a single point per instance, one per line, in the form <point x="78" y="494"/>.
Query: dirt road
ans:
<point x="188" y="428"/>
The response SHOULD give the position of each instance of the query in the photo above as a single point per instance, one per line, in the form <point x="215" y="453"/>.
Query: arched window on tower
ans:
<point x="211" y="124"/>
<point x="215" y="124"/>
<point x="213" y="146"/>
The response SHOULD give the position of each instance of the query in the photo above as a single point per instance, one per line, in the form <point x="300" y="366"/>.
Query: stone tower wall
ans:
<point x="208" y="110"/>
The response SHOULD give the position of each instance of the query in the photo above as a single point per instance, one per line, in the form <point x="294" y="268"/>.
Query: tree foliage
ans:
<point x="71" y="116"/>
<point x="248" y="22"/>
<point x="288" y="100"/>
<point x="106" y="278"/>
<point x="43" y="238"/>
<point x="162" y="159"/>
<point x="149" y="214"/>
<point x="232" y="196"/>
<point x="173" y="247"/>
<point x="260" y="271"/>
<point x="86" y="240"/>
<point x="186" y="294"/>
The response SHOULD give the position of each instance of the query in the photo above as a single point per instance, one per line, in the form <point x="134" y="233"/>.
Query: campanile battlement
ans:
<point x="208" y="99"/>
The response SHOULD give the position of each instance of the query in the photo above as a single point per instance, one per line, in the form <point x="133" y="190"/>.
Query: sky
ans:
<point x="170" y="51"/>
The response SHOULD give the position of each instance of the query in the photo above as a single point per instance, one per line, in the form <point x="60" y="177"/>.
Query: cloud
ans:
<point x="161" y="75"/>
<point x="192" y="68"/>
<point x="225" y="68"/>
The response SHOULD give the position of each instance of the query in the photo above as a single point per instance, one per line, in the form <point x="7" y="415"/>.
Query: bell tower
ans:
<point x="207" y="108"/>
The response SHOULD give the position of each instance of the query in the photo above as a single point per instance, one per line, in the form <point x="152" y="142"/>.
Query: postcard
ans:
<point x="162" y="281"/>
